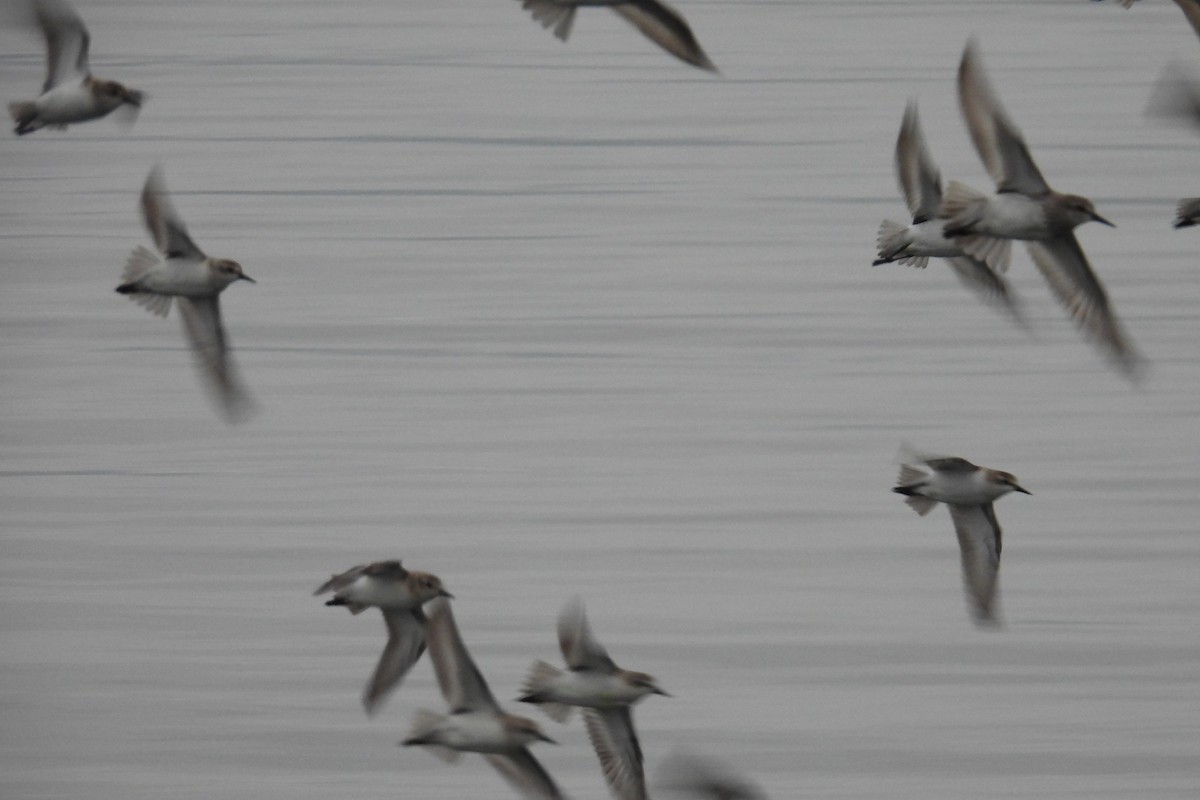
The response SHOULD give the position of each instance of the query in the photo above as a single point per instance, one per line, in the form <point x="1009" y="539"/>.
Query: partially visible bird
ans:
<point x="657" y="21"/>
<point x="604" y="691"/>
<point x="476" y="723"/>
<point x="704" y="778"/>
<point x="915" y="244"/>
<point x="70" y="92"/>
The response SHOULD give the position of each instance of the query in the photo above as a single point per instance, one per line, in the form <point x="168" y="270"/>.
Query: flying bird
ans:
<point x="969" y="492"/>
<point x="657" y="21"/>
<point x="476" y="723"/>
<point x="70" y="93"/>
<point x="1025" y="207"/>
<point x="605" y="692"/>
<point x="399" y="595"/>
<point x="915" y="244"/>
<point x="194" y="281"/>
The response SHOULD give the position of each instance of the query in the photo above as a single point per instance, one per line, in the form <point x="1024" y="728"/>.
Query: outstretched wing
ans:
<point x="405" y="644"/>
<point x="163" y="221"/>
<point x="66" y="42"/>
<point x="979" y="541"/>
<point x="997" y="140"/>
<point x="525" y="774"/>
<point x="202" y="324"/>
<point x="918" y="176"/>
<point x="1065" y="267"/>
<point x="461" y="682"/>
<point x="579" y="647"/>
<point x="667" y="28"/>
<point x="616" y="744"/>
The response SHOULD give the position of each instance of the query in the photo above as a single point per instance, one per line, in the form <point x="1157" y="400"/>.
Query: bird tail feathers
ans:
<point x="140" y="262"/>
<point x="552" y="15"/>
<point x="891" y="241"/>
<point x="540" y="675"/>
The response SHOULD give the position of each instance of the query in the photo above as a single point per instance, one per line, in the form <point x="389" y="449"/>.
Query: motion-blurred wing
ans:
<point x="997" y="140"/>
<point x="461" y="682"/>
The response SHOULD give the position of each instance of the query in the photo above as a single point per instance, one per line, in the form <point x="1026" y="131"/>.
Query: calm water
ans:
<point x="549" y="319"/>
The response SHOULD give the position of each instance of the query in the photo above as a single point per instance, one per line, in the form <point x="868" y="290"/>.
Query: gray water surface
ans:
<point x="548" y="319"/>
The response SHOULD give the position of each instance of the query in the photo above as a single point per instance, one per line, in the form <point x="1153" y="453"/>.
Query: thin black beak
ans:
<point x="246" y="278"/>
<point x="657" y="690"/>
<point x="1102" y="220"/>
<point x="1021" y="489"/>
<point x="444" y="593"/>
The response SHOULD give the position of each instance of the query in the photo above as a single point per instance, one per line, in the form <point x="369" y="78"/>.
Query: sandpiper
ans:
<point x="657" y="21"/>
<point x="1025" y="207"/>
<point x="605" y="692"/>
<point x="70" y="93"/>
<point x="915" y="244"/>
<point x="399" y="594"/>
<point x="476" y="723"/>
<point x="194" y="281"/>
<point x="968" y="491"/>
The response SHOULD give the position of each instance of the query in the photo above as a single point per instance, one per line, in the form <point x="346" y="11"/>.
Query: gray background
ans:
<point x="550" y="318"/>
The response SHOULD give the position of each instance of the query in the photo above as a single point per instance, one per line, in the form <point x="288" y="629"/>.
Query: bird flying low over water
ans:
<point x="399" y="594"/>
<point x="1025" y="207"/>
<point x="70" y="93"/>
<point x="915" y="244"/>
<point x="969" y="491"/>
<point x="605" y="692"/>
<point x="476" y="723"/>
<point x="194" y="281"/>
<point x="657" y="21"/>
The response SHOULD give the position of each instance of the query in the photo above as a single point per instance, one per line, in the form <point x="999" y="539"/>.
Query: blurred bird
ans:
<point x="194" y="281"/>
<point x="399" y="594"/>
<point x="969" y="491"/>
<point x="1025" y="207"/>
<point x="1187" y="213"/>
<point x="70" y="93"/>
<point x="657" y="21"/>
<point x="476" y="723"/>
<point x="605" y="692"/>
<point x="702" y="777"/>
<point x="915" y="244"/>
<point x="1177" y="96"/>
